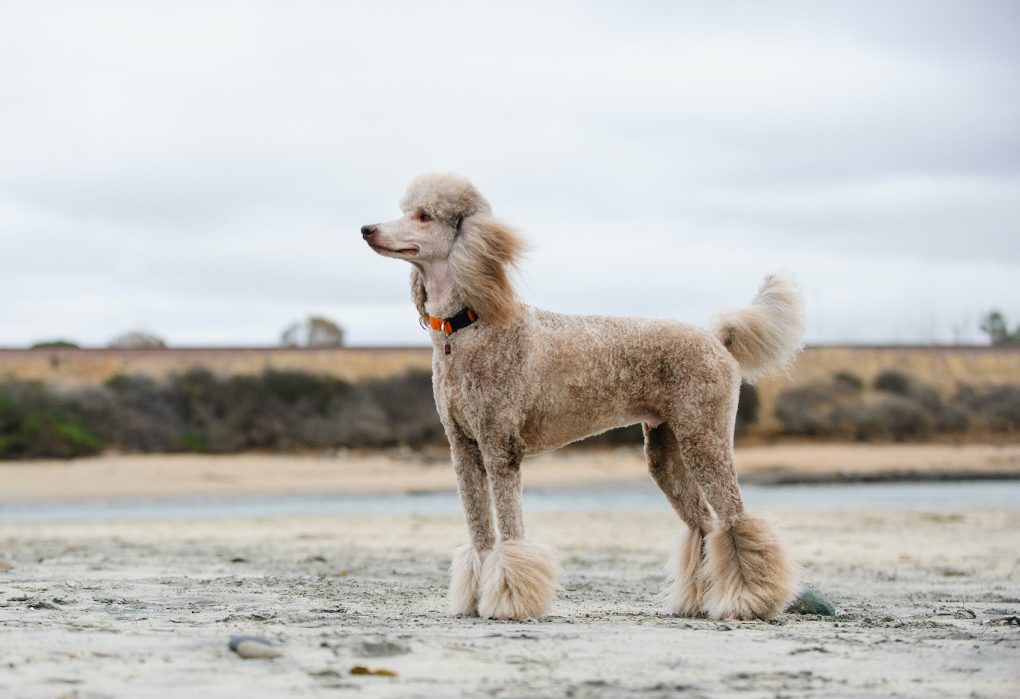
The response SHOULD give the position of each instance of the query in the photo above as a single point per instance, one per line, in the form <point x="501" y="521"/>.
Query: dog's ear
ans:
<point x="481" y="258"/>
<point x="419" y="296"/>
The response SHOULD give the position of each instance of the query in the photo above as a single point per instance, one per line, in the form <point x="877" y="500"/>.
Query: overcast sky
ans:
<point x="201" y="170"/>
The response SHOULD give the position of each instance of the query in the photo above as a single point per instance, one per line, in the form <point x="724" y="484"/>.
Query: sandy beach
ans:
<point x="927" y="601"/>
<point x="159" y="475"/>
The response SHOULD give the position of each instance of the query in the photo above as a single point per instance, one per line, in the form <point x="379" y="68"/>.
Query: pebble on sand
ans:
<point x="253" y="647"/>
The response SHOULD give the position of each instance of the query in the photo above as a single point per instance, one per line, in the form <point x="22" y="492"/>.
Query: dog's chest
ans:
<point x="470" y="389"/>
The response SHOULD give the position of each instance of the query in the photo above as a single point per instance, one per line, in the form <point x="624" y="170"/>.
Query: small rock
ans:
<point x="810" y="601"/>
<point x="253" y="647"/>
<point x="1010" y="620"/>
<point x="41" y="604"/>
<point x="378" y="672"/>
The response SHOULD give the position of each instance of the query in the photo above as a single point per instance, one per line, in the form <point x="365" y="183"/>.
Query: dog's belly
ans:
<point x="569" y="426"/>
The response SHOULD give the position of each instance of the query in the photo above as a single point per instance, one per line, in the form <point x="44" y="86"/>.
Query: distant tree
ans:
<point x="137" y="339"/>
<point x="316" y="331"/>
<point x="56" y="344"/>
<point x="994" y="325"/>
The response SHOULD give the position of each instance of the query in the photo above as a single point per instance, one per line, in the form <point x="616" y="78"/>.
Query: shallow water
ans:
<point x="933" y="496"/>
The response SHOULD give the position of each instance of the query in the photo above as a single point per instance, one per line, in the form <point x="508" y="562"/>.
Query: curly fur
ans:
<point x="522" y="380"/>
<point x="465" y="577"/>
<point x="480" y="261"/>
<point x="685" y="593"/>
<point x="419" y="296"/>
<point x="747" y="574"/>
<point x="765" y="336"/>
<point x="447" y="196"/>
<point x="518" y="581"/>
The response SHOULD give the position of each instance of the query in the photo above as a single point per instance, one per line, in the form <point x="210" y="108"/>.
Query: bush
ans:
<point x="277" y="410"/>
<point x="895" y="382"/>
<point x="899" y="407"/>
<point x="34" y="423"/>
<point x="747" y="408"/>
<point x="997" y="407"/>
<point x="199" y="411"/>
<point x="891" y="416"/>
<point x="817" y="410"/>
<point x="406" y="407"/>
<point x="848" y="381"/>
<point x="55" y="344"/>
<point x="136" y="413"/>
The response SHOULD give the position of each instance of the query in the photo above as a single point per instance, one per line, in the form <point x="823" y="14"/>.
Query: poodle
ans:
<point x="511" y="380"/>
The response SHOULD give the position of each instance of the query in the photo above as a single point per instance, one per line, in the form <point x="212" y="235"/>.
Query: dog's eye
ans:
<point x="424" y="216"/>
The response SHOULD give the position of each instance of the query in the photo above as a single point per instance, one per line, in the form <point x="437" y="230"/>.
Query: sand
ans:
<point x="189" y="474"/>
<point x="927" y="601"/>
<point x="146" y="609"/>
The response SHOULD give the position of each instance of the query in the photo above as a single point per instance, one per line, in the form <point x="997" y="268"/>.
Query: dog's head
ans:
<point x="446" y="218"/>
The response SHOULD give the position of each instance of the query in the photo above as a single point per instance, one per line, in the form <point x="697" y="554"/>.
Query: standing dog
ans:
<point x="511" y="380"/>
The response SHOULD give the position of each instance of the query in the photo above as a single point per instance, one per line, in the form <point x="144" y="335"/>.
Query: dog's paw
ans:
<point x="518" y="581"/>
<point x="685" y="594"/>
<point x="747" y="572"/>
<point x="465" y="577"/>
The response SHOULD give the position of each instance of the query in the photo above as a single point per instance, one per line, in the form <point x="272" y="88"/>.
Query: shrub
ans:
<point x="55" y="344"/>
<point x="997" y="407"/>
<point x="895" y="382"/>
<point x="136" y="413"/>
<point x="891" y="416"/>
<point x="199" y="411"/>
<point x="137" y="339"/>
<point x="848" y="381"/>
<point x="404" y="408"/>
<point x="747" y="408"/>
<point x="35" y="424"/>
<point x="817" y="410"/>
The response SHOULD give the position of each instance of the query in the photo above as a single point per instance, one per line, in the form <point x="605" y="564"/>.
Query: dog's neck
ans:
<point x="442" y="298"/>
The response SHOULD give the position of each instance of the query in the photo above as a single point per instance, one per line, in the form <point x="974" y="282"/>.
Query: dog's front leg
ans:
<point x="518" y="577"/>
<point x="466" y="568"/>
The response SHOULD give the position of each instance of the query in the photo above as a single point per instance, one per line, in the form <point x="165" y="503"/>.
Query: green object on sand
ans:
<point x="811" y="601"/>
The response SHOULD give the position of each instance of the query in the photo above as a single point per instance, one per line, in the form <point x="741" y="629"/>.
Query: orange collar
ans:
<point x="454" y="323"/>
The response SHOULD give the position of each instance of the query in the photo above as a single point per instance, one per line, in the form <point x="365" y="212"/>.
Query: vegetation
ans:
<point x="137" y="339"/>
<point x="897" y="407"/>
<point x="199" y="411"/>
<point x="56" y="344"/>
<point x="315" y="331"/>
<point x="36" y="423"/>
<point x="994" y="325"/>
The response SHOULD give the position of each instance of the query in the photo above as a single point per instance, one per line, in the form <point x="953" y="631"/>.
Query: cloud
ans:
<point x="202" y="169"/>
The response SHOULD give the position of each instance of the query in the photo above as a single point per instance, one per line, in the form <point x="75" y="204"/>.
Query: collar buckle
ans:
<point x="454" y="323"/>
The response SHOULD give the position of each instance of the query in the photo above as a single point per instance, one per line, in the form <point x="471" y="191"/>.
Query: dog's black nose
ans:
<point x="367" y="230"/>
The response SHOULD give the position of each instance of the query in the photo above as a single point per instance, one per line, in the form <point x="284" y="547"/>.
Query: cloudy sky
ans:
<point x="202" y="170"/>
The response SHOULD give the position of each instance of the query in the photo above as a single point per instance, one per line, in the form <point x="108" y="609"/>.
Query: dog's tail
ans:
<point x="765" y="336"/>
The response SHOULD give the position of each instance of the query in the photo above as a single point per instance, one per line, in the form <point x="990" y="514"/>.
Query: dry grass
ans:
<point x="63" y="367"/>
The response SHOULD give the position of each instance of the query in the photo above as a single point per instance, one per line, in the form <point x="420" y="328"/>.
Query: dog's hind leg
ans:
<point x="472" y="484"/>
<point x="685" y="594"/>
<point x="518" y="576"/>
<point x="747" y="572"/>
